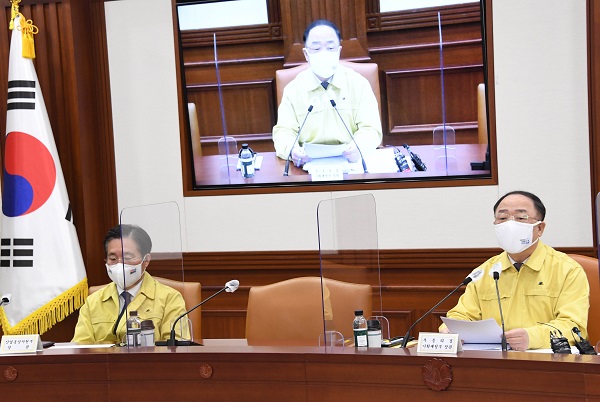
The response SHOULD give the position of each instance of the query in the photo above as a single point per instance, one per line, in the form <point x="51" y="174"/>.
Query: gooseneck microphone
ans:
<point x="472" y="277"/>
<point x="287" y="162"/>
<point x="350" y="133"/>
<point x="495" y="273"/>
<point x="419" y="164"/>
<point x="229" y="287"/>
<point x="5" y="301"/>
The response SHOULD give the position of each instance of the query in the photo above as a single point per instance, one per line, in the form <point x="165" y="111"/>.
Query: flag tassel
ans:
<point x="27" y="32"/>
<point x="50" y="314"/>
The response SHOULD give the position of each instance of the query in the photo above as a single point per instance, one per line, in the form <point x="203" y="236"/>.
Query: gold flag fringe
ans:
<point x="51" y="313"/>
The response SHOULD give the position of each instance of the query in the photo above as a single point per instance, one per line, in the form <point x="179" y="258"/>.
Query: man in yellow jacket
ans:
<point x="541" y="290"/>
<point x="102" y="318"/>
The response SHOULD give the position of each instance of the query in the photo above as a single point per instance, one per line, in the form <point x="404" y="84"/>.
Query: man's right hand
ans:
<point x="299" y="157"/>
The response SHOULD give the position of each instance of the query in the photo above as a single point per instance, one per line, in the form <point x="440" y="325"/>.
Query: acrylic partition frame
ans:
<point x="349" y="260"/>
<point x="162" y="223"/>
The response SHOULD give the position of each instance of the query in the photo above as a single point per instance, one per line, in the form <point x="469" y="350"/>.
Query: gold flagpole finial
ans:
<point x="14" y="11"/>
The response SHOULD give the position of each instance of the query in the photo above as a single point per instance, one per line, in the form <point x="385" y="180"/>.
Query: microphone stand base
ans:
<point x="177" y="342"/>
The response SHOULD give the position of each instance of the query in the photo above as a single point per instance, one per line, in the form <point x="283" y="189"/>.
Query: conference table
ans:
<point x="226" y="371"/>
<point x="212" y="170"/>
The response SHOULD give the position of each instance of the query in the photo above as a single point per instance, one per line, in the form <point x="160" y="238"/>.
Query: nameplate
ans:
<point x="20" y="344"/>
<point x="327" y="172"/>
<point x="437" y="343"/>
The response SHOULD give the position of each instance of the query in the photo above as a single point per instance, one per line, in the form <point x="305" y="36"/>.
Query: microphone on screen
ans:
<point x="401" y="161"/>
<point x="229" y="287"/>
<point x="419" y="164"/>
<point x="287" y="162"/>
<point x="5" y="301"/>
<point x="472" y="277"/>
<point x="495" y="273"/>
<point x="349" y="132"/>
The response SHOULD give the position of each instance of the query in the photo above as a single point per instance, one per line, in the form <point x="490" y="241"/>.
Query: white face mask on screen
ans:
<point x="514" y="237"/>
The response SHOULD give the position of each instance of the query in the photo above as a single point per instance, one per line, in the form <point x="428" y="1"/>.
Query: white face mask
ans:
<point x="324" y="63"/>
<point x="514" y="236"/>
<point x="133" y="273"/>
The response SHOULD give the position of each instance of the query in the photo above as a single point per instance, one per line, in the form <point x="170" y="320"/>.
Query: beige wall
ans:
<point x="541" y="98"/>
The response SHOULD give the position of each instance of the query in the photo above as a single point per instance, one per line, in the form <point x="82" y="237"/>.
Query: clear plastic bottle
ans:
<point x="134" y="329"/>
<point x="360" y="329"/>
<point x="246" y="161"/>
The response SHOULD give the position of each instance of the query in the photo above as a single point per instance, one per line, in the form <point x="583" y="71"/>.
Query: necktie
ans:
<point x="518" y="265"/>
<point x="325" y="84"/>
<point x="127" y="298"/>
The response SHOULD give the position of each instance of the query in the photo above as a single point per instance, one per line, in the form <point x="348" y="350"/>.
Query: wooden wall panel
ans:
<point x="414" y="111"/>
<point x="412" y="281"/>
<point x="249" y="103"/>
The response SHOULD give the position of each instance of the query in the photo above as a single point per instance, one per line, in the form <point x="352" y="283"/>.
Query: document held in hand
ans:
<point x="484" y="331"/>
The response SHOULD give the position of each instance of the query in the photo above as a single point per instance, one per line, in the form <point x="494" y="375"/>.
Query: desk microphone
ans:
<point x="401" y="161"/>
<point x="287" y="162"/>
<point x="419" y="164"/>
<point x="230" y="287"/>
<point x="5" y="300"/>
<point x="495" y="273"/>
<point x="558" y="342"/>
<point x="583" y="345"/>
<point x="472" y="277"/>
<point x="351" y="136"/>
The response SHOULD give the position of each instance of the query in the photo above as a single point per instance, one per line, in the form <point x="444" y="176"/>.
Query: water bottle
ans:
<point x="246" y="161"/>
<point x="134" y="329"/>
<point x="360" y="329"/>
<point x="147" y="333"/>
<point x="374" y="333"/>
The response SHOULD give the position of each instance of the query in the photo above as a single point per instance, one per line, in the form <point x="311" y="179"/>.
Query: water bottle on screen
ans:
<point x="134" y="329"/>
<point x="360" y="329"/>
<point x="246" y="161"/>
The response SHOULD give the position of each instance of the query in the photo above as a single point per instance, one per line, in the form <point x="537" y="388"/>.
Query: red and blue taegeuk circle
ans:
<point x="29" y="174"/>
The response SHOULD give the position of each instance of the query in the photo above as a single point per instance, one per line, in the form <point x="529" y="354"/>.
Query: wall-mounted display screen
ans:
<point x="402" y="99"/>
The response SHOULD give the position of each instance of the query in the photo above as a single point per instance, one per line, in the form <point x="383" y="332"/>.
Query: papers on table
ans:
<point x="377" y="161"/>
<point x="482" y="332"/>
<point x="316" y="151"/>
<point x="71" y="345"/>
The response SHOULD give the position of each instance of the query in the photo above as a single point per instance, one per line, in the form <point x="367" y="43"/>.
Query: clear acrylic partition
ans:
<point x="444" y="148"/>
<point x="349" y="252"/>
<point x="162" y="223"/>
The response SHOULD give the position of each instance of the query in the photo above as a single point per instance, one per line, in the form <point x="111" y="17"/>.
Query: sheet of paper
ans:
<point x="484" y="331"/>
<point x="70" y="345"/>
<point x="381" y="161"/>
<point x="335" y="160"/>
<point x="482" y="346"/>
<point x="315" y="151"/>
